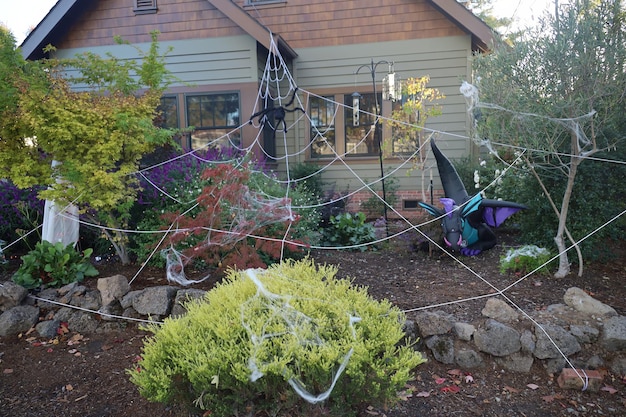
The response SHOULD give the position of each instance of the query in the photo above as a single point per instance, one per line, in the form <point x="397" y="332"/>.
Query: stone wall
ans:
<point x="589" y="333"/>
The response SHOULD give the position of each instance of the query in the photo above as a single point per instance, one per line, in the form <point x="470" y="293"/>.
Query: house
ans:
<point x="221" y="50"/>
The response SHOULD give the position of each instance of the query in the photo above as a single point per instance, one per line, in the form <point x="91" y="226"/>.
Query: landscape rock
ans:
<point x="577" y="378"/>
<point x="155" y="301"/>
<point x="18" y="319"/>
<point x="442" y="348"/>
<point x="48" y="328"/>
<point x="499" y="310"/>
<point x="183" y="296"/>
<point x="584" y="334"/>
<point x="112" y="288"/>
<point x="468" y="358"/>
<point x="464" y="331"/>
<point x="431" y="323"/>
<point x="11" y="295"/>
<point x="516" y="362"/>
<point x="497" y="339"/>
<point x="527" y="341"/>
<point x="565" y="341"/>
<point x="614" y="333"/>
<point x="583" y="302"/>
<point x="81" y="322"/>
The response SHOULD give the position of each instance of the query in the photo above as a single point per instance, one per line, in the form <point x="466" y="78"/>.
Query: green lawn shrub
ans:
<point x="261" y="335"/>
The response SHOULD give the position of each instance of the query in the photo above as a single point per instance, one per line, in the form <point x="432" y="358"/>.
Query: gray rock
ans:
<point x="431" y="323"/>
<point x="80" y="322"/>
<point x="584" y="334"/>
<point x="64" y="314"/>
<point x="48" y="294"/>
<point x="90" y="300"/>
<point x="516" y="362"/>
<point x="527" y="341"/>
<point x="499" y="310"/>
<point x="583" y="302"/>
<point x="464" y="331"/>
<point x="112" y="288"/>
<point x="595" y="362"/>
<point x="545" y="347"/>
<point x="497" y="339"/>
<point x="614" y="333"/>
<point x="183" y="296"/>
<point x="11" y="295"/>
<point x="555" y="365"/>
<point x="127" y="300"/>
<point x="442" y="348"/>
<point x="155" y="301"/>
<point x="109" y="311"/>
<point x="17" y="320"/>
<point x="48" y="328"/>
<point x="468" y="358"/>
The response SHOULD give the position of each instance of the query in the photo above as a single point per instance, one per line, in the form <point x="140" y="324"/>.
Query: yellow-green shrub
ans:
<point x="261" y="333"/>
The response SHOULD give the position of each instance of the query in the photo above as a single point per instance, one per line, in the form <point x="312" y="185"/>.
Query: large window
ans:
<point x="213" y="117"/>
<point x="361" y="137"/>
<point x="322" y="114"/>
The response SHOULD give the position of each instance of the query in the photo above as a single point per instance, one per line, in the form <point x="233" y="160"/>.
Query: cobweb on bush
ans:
<point x="296" y="324"/>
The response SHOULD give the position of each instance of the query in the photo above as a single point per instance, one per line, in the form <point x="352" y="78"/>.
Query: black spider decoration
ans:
<point x="278" y="113"/>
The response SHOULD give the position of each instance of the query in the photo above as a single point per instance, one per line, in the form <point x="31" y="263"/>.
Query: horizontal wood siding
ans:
<point x="228" y="60"/>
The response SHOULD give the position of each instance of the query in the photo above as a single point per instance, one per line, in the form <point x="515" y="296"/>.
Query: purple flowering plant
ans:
<point x="20" y="210"/>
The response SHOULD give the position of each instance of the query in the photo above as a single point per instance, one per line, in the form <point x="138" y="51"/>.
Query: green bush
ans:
<point x="349" y="230"/>
<point x="526" y="259"/>
<point x="53" y="265"/>
<point x="261" y="334"/>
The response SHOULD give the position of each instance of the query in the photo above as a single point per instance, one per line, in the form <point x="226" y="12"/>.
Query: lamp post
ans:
<point x="391" y="93"/>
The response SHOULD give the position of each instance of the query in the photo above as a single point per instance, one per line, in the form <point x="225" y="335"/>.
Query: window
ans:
<point x="145" y="6"/>
<point x="322" y="114"/>
<point x="361" y="138"/>
<point x="168" y="113"/>
<point x="213" y="117"/>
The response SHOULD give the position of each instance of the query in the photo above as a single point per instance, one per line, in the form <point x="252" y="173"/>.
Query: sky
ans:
<point x="22" y="15"/>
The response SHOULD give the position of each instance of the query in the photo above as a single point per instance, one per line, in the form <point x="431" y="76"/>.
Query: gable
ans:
<point x="298" y="23"/>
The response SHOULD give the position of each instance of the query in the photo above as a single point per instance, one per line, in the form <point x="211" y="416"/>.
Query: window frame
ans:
<point x="221" y="129"/>
<point x="371" y="106"/>
<point x="329" y="114"/>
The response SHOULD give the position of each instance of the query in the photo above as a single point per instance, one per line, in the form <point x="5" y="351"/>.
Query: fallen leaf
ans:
<point x="469" y="379"/>
<point x="511" y="389"/>
<point x="455" y="372"/>
<point x="69" y="387"/>
<point x="423" y="394"/>
<point x="548" y="398"/>
<point x="452" y="388"/>
<point x="63" y="328"/>
<point x="7" y="371"/>
<point x="72" y="351"/>
<point x="440" y="381"/>
<point x="608" y="389"/>
<point x="532" y="386"/>
<point x="50" y="350"/>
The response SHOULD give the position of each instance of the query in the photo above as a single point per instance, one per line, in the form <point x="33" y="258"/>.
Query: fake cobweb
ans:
<point x="255" y="210"/>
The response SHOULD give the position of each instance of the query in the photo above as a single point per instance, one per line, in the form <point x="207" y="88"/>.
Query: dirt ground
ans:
<point x="84" y="375"/>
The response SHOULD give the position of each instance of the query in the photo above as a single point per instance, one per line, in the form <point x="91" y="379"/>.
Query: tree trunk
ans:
<point x="564" y="267"/>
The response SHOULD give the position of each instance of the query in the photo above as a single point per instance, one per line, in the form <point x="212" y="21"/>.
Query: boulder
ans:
<point x="497" y="339"/>
<point x="583" y="302"/>
<point x="18" y="319"/>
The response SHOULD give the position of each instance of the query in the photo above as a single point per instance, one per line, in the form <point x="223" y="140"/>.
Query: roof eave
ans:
<point x="482" y="34"/>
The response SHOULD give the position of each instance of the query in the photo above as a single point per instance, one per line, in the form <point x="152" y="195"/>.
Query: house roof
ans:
<point x="65" y="12"/>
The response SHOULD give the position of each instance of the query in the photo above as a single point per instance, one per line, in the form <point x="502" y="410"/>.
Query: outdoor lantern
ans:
<point x="356" y="98"/>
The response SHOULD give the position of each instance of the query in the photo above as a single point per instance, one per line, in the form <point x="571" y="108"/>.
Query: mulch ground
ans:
<point x="85" y="375"/>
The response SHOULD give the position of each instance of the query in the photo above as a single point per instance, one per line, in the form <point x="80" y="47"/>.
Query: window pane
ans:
<point x="322" y="112"/>
<point x="213" y="116"/>
<point x="362" y="139"/>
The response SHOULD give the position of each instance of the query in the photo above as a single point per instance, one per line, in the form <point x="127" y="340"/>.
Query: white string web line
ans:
<point x="255" y="208"/>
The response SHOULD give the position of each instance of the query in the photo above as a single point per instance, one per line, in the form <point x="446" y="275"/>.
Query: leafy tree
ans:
<point x="94" y="116"/>
<point x="419" y="103"/>
<point x="559" y="94"/>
